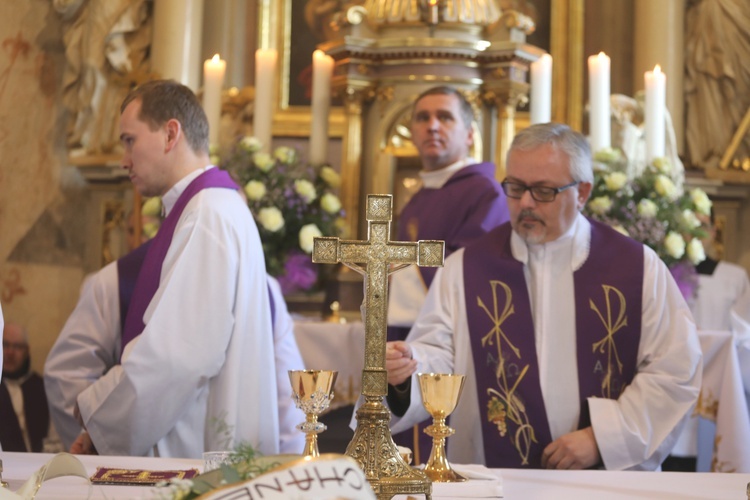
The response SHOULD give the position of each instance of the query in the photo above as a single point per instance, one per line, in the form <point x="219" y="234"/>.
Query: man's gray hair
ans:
<point x="572" y="143"/>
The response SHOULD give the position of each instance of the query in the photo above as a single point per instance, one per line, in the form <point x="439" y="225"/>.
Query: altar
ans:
<point x="516" y="484"/>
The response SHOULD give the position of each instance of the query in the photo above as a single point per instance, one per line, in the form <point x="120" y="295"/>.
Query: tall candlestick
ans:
<point x="656" y="83"/>
<point x="320" y="106"/>
<point x="265" y="71"/>
<point x="177" y="38"/>
<point x="541" y="90"/>
<point x="213" y="81"/>
<point x="599" y="113"/>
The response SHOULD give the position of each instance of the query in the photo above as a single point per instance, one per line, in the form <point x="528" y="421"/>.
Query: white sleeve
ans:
<point x="288" y="357"/>
<point x="639" y="429"/>
<point x="432" y="336"/>
<point x="87" y="347"/>
<point x="740" y="324"/>
<point x="166" y="370"/>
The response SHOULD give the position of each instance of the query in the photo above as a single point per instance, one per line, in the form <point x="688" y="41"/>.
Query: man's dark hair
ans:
<point x="467" y="112"/>
<point x="163" y="100"/>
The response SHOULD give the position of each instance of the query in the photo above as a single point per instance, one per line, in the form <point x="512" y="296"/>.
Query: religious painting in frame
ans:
<point x="296" y="37"/>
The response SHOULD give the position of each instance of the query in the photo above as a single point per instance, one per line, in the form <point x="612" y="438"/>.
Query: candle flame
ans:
<point x="657" y="69"/>
<point x="216" y="58"/>
<point x="602" y="55"/>
<point x="432" y="3"/>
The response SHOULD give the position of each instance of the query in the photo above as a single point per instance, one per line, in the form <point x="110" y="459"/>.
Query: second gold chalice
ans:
<point x="312" y="391"/>
<point x="440" y="394"/>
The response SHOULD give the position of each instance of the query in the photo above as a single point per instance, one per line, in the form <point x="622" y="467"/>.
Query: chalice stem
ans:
<point x="311" y="436"/>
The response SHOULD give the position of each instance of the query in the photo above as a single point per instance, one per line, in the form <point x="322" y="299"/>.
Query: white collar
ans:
<point x="579" y="235"/>
<point x="436" y="179"/>
<point x="171" y="196"/>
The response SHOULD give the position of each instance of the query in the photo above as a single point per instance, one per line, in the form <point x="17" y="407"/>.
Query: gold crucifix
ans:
<point x="372" y="445"/>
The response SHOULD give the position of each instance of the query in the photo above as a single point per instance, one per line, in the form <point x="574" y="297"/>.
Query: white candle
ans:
<point x="656" y="84"/>
<point x="213" y="81"/>
<point x="541" y="90"/>
<point x="599" y="113"/>
<point x="265" y="72"/>
<point x="320" y="106"/>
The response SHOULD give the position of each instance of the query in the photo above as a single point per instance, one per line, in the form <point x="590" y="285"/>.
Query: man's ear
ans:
<point x="174" y="133"/>
<point x="584" y="191"/>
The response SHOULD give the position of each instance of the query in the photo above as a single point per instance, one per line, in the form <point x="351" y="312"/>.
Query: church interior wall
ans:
<point x="48" y="213"/>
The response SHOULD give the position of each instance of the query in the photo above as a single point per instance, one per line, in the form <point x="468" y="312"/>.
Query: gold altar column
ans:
<point x="659" y="39"/>
<point x="175" y="49"/>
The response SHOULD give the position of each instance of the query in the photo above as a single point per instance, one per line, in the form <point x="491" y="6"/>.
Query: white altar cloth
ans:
<point x="517" y="484"/>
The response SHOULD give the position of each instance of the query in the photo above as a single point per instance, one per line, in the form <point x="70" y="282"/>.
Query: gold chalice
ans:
<point x="440" y="393"/>
<point x="312" y="393"/>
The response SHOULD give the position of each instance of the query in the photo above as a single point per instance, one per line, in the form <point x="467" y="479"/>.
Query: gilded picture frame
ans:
<point x="284" y="28"/>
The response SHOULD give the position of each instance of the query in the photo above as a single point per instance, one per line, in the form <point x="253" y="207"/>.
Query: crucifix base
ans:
<point x="373" y="448"/>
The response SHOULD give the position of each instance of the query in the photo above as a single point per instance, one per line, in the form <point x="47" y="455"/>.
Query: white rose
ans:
<point x="285" y="155"/>
<point x="152" y="207"/>
<point x="695" y="251"/>
<point x="331" y="177"/>
<point x="250" y="144"/>
<point x="665" y="187"/>
<point x="271" y="219"/>
<point x="647" y="208"/>
<point x="662" y="164"/>
<point x="307" y="235"/>
<point x="330" y="203"/>
<point x="263" y="161"/>
<point x="689" y="220"/>
<point x="701" y="200"/>
<point x="608" y="155"/>
<point x="674" y="243"/>
<point x="600" y="205"/>
<point x="305" y="190"/>
<point x="615" y="181"/>
<point x="255" y="190"/>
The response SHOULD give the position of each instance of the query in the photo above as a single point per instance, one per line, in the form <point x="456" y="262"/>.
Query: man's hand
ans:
<point x="575" y="450"/>
<point x="83" y="445"/>
<point x="399" y="362"/>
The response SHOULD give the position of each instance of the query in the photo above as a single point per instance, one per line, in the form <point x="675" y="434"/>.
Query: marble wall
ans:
<point x="41" y="237"/>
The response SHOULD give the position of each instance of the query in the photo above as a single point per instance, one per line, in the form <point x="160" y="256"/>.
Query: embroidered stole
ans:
<point x="149" y="275"/>
<point x="608" y="296"/>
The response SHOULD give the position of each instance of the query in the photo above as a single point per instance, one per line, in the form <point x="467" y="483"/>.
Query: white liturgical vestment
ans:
<point x="199" y="377"/>
<point x="635" y="431"/>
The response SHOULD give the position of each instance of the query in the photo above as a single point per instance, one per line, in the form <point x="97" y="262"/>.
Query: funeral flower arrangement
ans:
<point x="291" y="202"/>
<point x="654" y="209"/>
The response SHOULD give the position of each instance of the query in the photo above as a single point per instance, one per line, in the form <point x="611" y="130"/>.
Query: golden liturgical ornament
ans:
<point x="312" y="391"/>
<point x="372" y="445"/>
<point x="440" y="393"/>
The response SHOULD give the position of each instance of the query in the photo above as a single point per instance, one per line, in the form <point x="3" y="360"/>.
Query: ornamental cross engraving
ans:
<point x="375" y="258"/>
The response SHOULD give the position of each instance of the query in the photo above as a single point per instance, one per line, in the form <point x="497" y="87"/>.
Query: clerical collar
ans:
<point x="436" y="179"/>
<point x="579" y="235"/>
<point x="170" y="198"/>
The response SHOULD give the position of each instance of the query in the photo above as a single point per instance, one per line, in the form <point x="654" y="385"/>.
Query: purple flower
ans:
<point x="299" y="273"/>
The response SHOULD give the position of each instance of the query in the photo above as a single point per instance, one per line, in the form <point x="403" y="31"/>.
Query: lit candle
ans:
<point x="433" y="15"/>
<point x="213" y="80"/>
<point x="320" y="106"/>
<point x="541" y="90"/>
<point x="656" y="84"/>
<point x="265" y="71"/>
<point x="599" y="113"/>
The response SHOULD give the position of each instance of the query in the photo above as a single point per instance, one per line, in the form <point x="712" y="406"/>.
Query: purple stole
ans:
<point x="149" y="276"/>
<point x="469" y="205"/>
<point x="608" y="295"/>
<point x="35" y="410"/>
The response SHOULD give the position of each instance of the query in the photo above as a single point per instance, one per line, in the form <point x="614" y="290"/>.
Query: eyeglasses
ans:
<point x="539" y="193"/>
<point x="7" y="346"/>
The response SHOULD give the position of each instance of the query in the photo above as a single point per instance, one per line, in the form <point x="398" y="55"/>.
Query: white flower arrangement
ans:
<point x="291" y="202"/>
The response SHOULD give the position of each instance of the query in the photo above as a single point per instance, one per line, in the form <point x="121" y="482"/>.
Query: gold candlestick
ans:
<point x="312" y="393"/>
<point x="440" y="394"/>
